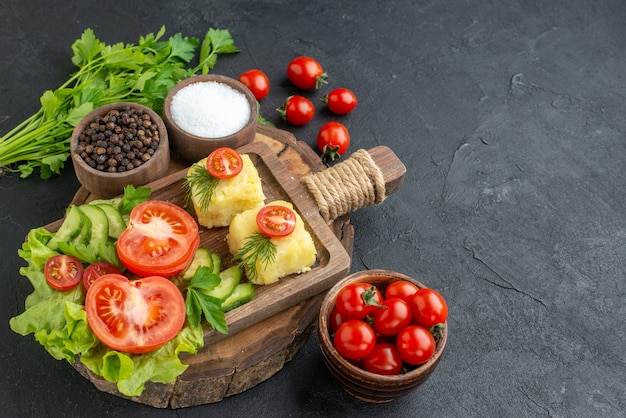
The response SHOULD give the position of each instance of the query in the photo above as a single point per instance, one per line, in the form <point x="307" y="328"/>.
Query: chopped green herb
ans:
<point x="257" y="247"/>
<point x="199" y="182"/>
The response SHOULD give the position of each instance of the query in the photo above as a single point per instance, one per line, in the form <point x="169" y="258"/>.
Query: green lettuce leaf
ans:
<point x="131" y="372"/>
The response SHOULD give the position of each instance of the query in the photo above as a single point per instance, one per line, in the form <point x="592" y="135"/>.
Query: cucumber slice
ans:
<point x="243" y="293"/>
<point x="116" y="222"/>
<point x="70" y="227"/>
<point x="202" y="257"/>
<point x="99" y="225"/>
<point x="229" y="279"/>
<point x="84" y="234"/>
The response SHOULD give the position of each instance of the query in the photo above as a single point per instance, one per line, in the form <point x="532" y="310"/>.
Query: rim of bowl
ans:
<point x="203" y="78"/>
<point x="329" y="302"/>
<point x="101" y="111"/>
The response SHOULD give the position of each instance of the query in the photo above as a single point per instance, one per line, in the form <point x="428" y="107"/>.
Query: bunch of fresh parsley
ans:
<point x="142" y="73"/>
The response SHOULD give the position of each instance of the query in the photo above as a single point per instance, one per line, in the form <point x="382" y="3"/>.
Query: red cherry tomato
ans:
<point x="429" y="307"/>
<point x="383" y="359"/>
<point x="334" y="321"/>
<point x="297" y="110"/>
<point x="224" y="163"/>
<point x="341" y="101"/>
<point x="276" y="221"/>
<point x="63" y="272"/>
<point x="95" y="270"/>
<point x="416" y="344"/>
<point x="306" y="73"/>
<point x="257" y="82"/>
<point x="161" y="239"/>
<point x="401" y="289"/>
<point x="393" y="317"/>
<point x="333" y="139"/>
<point x="354" y="339"/>
<point x="357" y="300"/>
<point x="134" y="316"/>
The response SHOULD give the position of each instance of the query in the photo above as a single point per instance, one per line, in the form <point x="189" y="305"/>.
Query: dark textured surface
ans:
<point x="510" y="118"/>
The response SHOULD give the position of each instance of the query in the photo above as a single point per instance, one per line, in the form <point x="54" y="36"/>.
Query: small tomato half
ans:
<point x="161" y="239"/>
<point x="134" y="316"/>
<point x="224" y="163"/>
<point x="63" y="272"/>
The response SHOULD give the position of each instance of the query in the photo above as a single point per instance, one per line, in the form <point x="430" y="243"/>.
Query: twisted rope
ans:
<point x="350" y="185"/>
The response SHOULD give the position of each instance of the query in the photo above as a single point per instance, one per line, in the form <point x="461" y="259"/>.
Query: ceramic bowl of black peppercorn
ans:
<point x="117" y="145"/>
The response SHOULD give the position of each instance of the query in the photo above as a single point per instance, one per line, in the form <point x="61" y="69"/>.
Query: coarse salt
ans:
<point x="210" y="109"/>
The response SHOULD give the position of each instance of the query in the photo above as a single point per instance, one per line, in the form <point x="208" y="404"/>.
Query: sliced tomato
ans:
<point x="224" y="163"/>
<point x="276" y="220"/>
<point x="95" y="270"/>
<point x="63" y="271"/>
<point x="161" y="239"/>
<point x="134" y="316"/>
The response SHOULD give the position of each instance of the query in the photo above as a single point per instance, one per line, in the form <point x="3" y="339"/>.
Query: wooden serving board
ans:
<point x="268" y="331"/>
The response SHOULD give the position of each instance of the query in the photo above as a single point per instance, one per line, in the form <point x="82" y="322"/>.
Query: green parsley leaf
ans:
<point x="198" y="304"/>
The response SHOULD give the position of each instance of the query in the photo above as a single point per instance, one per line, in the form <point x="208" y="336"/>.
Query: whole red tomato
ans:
<point x="383" y="359"/>
<point x="357" y="300"/>
<point x="429" y="308"/>
<point x="256" y="81"/>
<point x="297" y="110"/>
<point x="333" y="139"/>
<point x="401" y="289"/>
<point x="306" y="73"/>
<point x="341" y="101"/>
<point x="393" y="317"/>
<point x="354" y="339"/>
<point x="416" y="344"/>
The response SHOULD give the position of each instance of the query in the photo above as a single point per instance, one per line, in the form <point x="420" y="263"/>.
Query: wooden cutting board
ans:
<point x="269" y="330"/>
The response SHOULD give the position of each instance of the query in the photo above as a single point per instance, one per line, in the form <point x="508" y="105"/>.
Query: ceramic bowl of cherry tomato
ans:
<point x="119" y="144"/>
<point x="382" y="334"/>
<point x="209" y="111"/>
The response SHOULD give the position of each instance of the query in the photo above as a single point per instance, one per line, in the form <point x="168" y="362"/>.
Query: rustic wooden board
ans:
<point x="228" y="366"/>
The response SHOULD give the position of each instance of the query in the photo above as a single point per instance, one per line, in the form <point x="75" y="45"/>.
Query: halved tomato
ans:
<point x="224" y="163"/>
<point x="63" y="271"/>
<point x="276" y="221"/>
<point x="161" y="239"/>
<point x="134" y="316"/>
<point x="97" y="269"/>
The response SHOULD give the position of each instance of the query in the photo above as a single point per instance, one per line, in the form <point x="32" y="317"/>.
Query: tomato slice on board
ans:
<point x="224" y="163"/>
<point x="95" y="270"/>
<point x="276" y="221"/>
<point x="161" y="239"/>
<point x="63" y="271"/>
<point x="134" y="316"/>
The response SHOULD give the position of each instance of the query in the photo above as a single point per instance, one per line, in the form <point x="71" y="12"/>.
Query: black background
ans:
<point x="510" y="117"/>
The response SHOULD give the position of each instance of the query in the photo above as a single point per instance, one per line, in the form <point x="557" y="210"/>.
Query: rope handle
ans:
<point x="355" y="183"/>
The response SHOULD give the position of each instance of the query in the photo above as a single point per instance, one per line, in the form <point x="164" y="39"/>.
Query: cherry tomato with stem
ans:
<point x="393" y="316"/>
<point x="96" y="270"/>
<point x="429" y="308"/>
<point x="256" y="81"/>
<point x="340" y="101"/>
<point x="134" y="316"/>
<point x="416" y="344"/>
<point x="306" y="73"/>
<point x="333" y="140"/>
<point x="276" y="221"/>
<point x="402" y="289"/>
<point x="354" y="339"/>
<point x="384" y="359"/>
<point x="63" y="272"/>
<point x="224" y="163"/>
<point x="297" y="110"/>
<point x="357" y="300"/>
